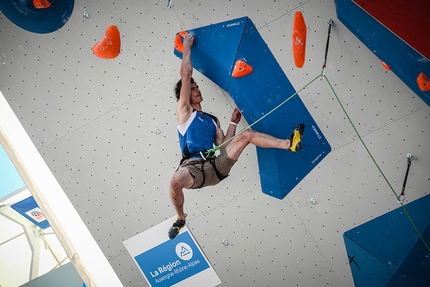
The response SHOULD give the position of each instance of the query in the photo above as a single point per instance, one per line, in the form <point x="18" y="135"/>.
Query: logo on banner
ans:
<point x="36" y="214"/>
<point x="184" y="251"/>
<point x="171" y="262"/>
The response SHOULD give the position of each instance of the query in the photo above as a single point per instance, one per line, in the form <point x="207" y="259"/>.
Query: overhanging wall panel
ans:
<point x="391" y="242"/>
<point x="264" y="90"/>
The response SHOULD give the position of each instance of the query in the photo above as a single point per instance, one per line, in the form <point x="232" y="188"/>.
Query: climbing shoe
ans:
<point x="296" y="138"/>
<point x="176" y="227"/>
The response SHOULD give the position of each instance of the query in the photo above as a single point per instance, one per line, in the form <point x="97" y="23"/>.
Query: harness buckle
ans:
<point x="201" y="154"/>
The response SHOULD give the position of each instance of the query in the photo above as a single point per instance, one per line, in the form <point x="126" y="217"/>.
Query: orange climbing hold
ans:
<point x="423" y="82"/>
<point x="41" y="4"/>
<point x="110" y="46"/>
<point x="299" y="39"/>
<point x="179" y="45"/>
<point x="388" y="68"/>
<point x="241" y="68"/>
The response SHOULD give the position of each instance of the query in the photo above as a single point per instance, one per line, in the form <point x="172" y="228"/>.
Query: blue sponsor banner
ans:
<point x="172" y="261"/>
<point x="10" y="180"/>
<point x="30" y="210"/>
<point x="178" y="262"/>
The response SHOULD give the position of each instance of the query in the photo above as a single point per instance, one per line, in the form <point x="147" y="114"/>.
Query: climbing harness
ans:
<point x="204" y="155"/>
<point x="211" y="158"/>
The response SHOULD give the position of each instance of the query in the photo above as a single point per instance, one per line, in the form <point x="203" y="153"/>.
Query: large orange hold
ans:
<point x="110" y="46"/>
<point x="299" y="39"/>
<point x="241" y="68"/>
<point x="179" y="45"/>
<point x="423" y="82"/>
<point x="41" y="4"/>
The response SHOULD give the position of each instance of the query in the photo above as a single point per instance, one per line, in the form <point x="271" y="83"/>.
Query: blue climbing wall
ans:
<point x="387" y="251"/>
<point x="216" y="50"/>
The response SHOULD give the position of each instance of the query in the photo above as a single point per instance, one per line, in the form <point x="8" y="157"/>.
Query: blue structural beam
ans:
<point x="215" y="53"/>
<point x="387" y="251"/>
<point x="403" y="60"/>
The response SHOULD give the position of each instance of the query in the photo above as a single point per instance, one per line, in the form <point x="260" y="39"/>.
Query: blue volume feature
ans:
<point x="218" y="47"/>
<point x="23" y="14"/>
<point x="387" y="251"/>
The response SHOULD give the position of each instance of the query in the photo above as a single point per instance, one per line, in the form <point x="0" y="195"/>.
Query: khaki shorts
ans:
<point x="194" y="165"/>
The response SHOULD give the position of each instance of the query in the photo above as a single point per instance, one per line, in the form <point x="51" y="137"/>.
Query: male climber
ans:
<point x="199" y="131"/>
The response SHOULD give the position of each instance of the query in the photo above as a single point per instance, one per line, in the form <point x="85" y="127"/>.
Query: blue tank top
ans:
<point x="197" y="134"/>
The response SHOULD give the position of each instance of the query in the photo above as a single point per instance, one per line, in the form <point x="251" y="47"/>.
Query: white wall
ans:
<point x="93" y="122"/>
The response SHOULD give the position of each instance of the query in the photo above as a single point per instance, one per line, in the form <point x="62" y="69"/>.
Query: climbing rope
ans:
<point x="322" y="74"/>
<point x="214" y="149"/>
<point x="377" y="165"/>
<point x="330" y="24"/>
<point x="211" y="151"/>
